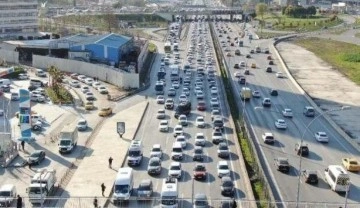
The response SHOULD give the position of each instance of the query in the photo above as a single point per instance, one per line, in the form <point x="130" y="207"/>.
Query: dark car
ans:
<point x="268" y="69"/>
<point x="36" y="157"/>
<point x="5" y="88"/>
<point x="271" y="62"/>
<point x="227" y="186"/>
<point x="282" y="164"/>
<point x="183" y="108"/>
<point x="236" y="66"/>
<point x="227" y="203"/>
<point x="201" y="105"/>
<point x="273" y="92"/>
<point x="310" y="176"/>
<point x="145" y="189"/>
<point x="199" y="171"/>
<point x="218" y="123"/>
<point x="302" y="149"/>
<point x="201" y="201"/>
<point x="242" y="80"/>
<point x="198" y="154"/>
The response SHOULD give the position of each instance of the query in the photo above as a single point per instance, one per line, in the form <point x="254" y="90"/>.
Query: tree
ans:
<point x="55" y="78"/>
<point x="261" y="9"/>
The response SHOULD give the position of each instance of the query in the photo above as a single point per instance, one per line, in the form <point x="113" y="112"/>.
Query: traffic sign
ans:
<point x="120" y="128"/>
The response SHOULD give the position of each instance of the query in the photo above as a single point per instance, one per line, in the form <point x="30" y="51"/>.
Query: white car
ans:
<point x="89" y="81"/>
<point x="156" y="151"/>
<point x="242" y="63"/>
<point x="175" y="85"/>
<point x="81" y="78"/>
<point x="89" y="96"/>
<point x="178" y="130"/>
<point x="214" y="101"/>
<point x="279" y="75"/>
<point x="160" y="99"/>
<point x="23" y="76"/>
<point x="161" y="114"/>
<point x="183" y="120"/>
<point x="214" y="90"/>
<point x="183" y="98"/>
<point x="175" y="170"/>
<point x="256" y="94"/>
<point x="196" y="89"/>
<point x="85" y="89"/>
<point x="164" y="126"/>
<point x="237" y="74"/>
<point x="321" y="137"/>
<point x="96" y="84"/>
<point x="223" y="169"/>
<point x="280" y="124"/>
<point x="199" y="95"/>
<point x="186" y="91"/>
<point x="200" y="139"/>
<point x="102" y="90"/>
<point x="75" y="83"/>
<point x="287" y="112"/>
<point x="82" y="125"/>
<point x="37" y="98"/>
<point x="182" y="140"/>
<point x="200" y="122"/>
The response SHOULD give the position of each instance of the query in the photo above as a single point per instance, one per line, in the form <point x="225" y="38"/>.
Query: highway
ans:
<point x="150" y="135"/>
<point x="262" y="120"/>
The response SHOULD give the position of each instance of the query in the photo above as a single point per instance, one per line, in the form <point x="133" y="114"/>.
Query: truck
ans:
<point x="245" y="93"/>
<point x="68" y="138"/>
<point x="42" y="185"/>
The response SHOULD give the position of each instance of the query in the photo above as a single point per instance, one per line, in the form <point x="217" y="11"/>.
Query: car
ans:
<point x="164" y="126"/>
<point x="160" y="114"/>
<point x="227" y="186"/>
<point x="271" y="62"/>
<point x="237" y="52"/>
<point x="23" y="76"/>
<point x="218" y="122"/>
<point x="90" y="96"/>
<point x="200" y="139"/>
<point x="282" y="164"/>
<point x="14" y="96"/>
<point x="89" y="81"/>
<point x="321" y="136"/>
<point x="178" y="130"/>
<point x="106" y="111"/>
<point x="89" y="105"/>
<point x="227" y="202"/>
<point x="351" y="164"/>
<point x="252" y="51"/>
<point x="268" y="138"/>
<point x="309" y="111"/>
<point x="81" y="78"/>
<point x="217" y="136"/>
<point x="183" y="120"/>
<point x="256" y="94"/>
<point x="5" y="88"/>
<point x="310" y="176"/>
<point x="242" y="80"/>
<point x="171" y="92"/>
<point x="248" y="56"/>
<point x="201" y="106"/>
<point x="280" y="124"/>
<point x="96" y="85"/>
<point x="156" y="151"/>
<point x="75" y="83"/>
<point x="280" y="75"/>
<point x="269" y="58"/>
<point x="268" y="69"/>
<point x="287" y="112"/>
<point x="253" y="65"/>
<point x="198" y="154"/>
<point x="154" y="166"/>
<point x="228" y="54"/>
<point x="103" y="90"/>
<point x="266" y="51"/>
<point x="223" y="169"/>
<point x="175" y="170"/>
<point x="223" y="150"/>
<point x="199" y="95"/>
<point x="302" y="149"/>
<point x="199" y="171"/>
<point x="242" y="64"/>
<point x="236" y="66"/>
<point x="200" y="122"/>
<point x="247" y="72"/>
<point x="273" y="92"/>
<point x="183" y="98"/>
<point x="82" y="125"/>
<point x="145" y="190"/>
<point x="214" y="90"/>
<point x="186" y="91"/>
<point x="200" y="201"/>
<point x="175" y="84"/>
<point x="37" y="98"/>
<point x="85" y="89"/>
<point x="160" y="99"/>
<point x="182" y="140"/>
<point x="36" y="157"/>
<point x="266" y="102"/>
<point x="237" y="74"/>
<point x="169" y="103"/>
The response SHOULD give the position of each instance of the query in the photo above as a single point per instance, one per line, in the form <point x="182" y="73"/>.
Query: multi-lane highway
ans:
<point x="150" y="135"/>
<point x="262" y="120"/>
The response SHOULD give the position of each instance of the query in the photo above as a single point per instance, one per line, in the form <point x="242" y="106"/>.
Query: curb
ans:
<point x="108" y="201"/>
<point x="353" y="142"/>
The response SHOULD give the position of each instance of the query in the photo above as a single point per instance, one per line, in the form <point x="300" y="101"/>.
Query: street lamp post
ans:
<point x="301" y="142"/>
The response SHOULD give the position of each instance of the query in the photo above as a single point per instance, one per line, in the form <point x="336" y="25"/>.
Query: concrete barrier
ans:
<point x="353" y="142"/>
<point x="9" y="56"/>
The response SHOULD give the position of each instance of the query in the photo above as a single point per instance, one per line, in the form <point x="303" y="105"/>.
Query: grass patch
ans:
<point x="63" y="97"/>
<point x="152" y="48"/>
<point x="357" y="35"/>
<point x="344" y="56"/>
<point x="338" y="31"/>
<point x="266" y="35"/>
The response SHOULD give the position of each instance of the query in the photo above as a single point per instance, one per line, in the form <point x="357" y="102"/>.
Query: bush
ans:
<point x="152" y="48"/>
<point x="63" y="96"/>
<point x="17" y="70"/>
<point x="353" y="57"/>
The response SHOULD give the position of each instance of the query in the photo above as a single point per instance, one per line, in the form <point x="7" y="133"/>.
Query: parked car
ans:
<point x="36" y="157"/>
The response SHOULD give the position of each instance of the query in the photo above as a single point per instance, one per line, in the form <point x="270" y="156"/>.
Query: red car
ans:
<point x="199" y="171"/>
<point x="201" y="105"/>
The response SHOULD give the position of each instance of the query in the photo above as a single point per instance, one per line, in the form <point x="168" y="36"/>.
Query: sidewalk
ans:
<point x="94" y="166"/>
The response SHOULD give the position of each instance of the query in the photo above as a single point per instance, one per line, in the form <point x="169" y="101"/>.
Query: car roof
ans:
<point x="200" y="196"/>
<point x="226" y="178"/>
<point x="268" y="134"/>
<point x="156" y="146"/>
<point x="175" y="164"/>
<point x="282" y="159"/>
<point x="223" y="162"/>
<point x="145" y="182"/>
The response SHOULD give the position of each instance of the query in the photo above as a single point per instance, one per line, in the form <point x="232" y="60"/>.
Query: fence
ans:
<point x="87" y="202"/>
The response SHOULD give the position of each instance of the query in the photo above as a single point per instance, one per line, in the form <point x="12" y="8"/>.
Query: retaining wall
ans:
<point x="9" y="56"/>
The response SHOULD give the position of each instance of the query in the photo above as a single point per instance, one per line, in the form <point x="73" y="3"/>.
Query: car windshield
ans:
<point x="223" y="167"/>
<point x="353" y="163"/>
<point x="134" y="153"/>
<point x="144" y="188"/>
<point x="177" y="150"/>
<point x="154" y="163"/>
<point x="175" y="167"/>
<point x="200" y="202"/>
<point x="122" y="189"/>
<point x="156" y="149"/>
<point x="198" y="151"/>
<point x="283" y="162"/>
<point x="223" y="147"/>
<point x="5" y="193"/>
<point x="65" y="142"/>
<point x="82" y="122"/>
<point x="227" y="184"/>
<point x="37" y="190"/>
<point x="35" y="154"/>
<point x="200" y="168"/>
<point x="168" y="200"/>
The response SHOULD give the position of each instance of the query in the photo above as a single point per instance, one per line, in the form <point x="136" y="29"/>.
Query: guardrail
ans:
<point x="353" y="142"/>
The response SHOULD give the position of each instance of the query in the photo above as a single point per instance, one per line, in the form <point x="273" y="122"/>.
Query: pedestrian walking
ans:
<point x="29" y="165"/>
<point x="234" y="205"/>
<point x="23" y="145"/>
<point x="95" y="202"/>
<point x="19" y="202"/>
<point x="110" y="162"/>
<point x="103" y="187"/>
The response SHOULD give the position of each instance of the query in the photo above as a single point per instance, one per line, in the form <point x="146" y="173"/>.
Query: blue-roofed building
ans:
<point x="107" y="49"/>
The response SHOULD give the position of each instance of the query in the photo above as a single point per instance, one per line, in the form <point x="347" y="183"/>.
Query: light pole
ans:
<point x="41" y="189"/>
<point x="301" y="141"/>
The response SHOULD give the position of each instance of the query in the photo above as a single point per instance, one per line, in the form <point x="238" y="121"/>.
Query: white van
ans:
<point x="169" y="193"/>
<point x="5" y="82"/>
<point x="36" y="83"/>
<point x="7" y="195"/>
<point x="123" y="185"/>
<point x="40" y="73"/>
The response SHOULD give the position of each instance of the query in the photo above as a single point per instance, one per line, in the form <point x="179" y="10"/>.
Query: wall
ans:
<point x="9" y="56"/>
<point x="142" y="56"/>
<point x="104" y="73"/>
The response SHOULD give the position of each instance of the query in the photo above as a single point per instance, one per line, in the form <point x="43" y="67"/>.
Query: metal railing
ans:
<point x="88" y="202"/>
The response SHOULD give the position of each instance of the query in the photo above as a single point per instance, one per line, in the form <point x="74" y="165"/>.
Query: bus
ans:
<point x="337" y="178"/>
<point x="167" y="47"/>
<point x="174" y="72"/>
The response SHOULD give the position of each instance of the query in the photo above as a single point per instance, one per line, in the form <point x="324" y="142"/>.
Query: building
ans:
<point x="18" y="18"/>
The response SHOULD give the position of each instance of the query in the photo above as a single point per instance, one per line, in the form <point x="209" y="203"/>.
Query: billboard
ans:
<point x="25" y="115"/>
